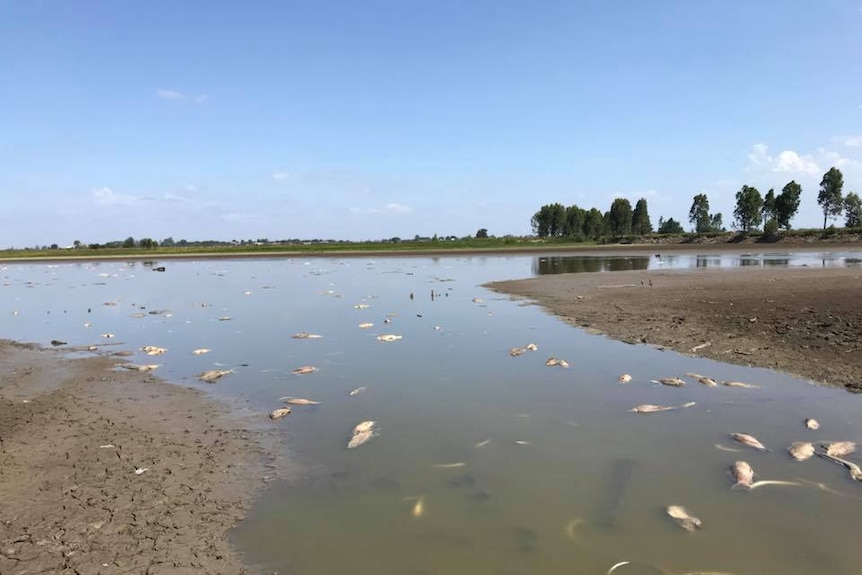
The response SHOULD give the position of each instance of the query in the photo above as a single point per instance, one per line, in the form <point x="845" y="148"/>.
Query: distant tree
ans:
<point x="787" y="204"/>
<point x="830" y="198"/>
<point x="641" y="224"/>
<point x="129" y="242"/>
<point x="594" y="224"/>
<point x="852" y="211"/>
<point x="77" y="244"/>
<point x="148" y="243"/>
<point x="768" y="210"/>
<point x="574" y="226"/>
<point x="748" y="212"/>
<point x="482" y="233"/>
<point x="549" y="221"/>
<point x="698" y="215"/>
<point x="715" y="223"/>
<point x="620" y="217"/>
<point x="167" y="242"/>
<point x="55" y="247"/>
<point x="671" y="226"/>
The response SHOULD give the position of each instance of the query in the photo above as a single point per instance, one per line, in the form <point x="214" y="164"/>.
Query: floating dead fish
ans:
<point x="366" y="325"/>
<point x="201" y="351"/>
<point x="679" y="514"/>
<point x="625" y="378"/>
<point x="141" y="470"/>
<point x="419" y="507"/>
<point x="304" y="370"/>
<point x="571" y="528"/>
<point x="670" y="381"/>
<point x="839" y="448"/>
<point x="362" y="433"/>
<point x="483" y="443"/>
<point x="693" y="375"/>
<point x="801" y="450"/>
<point x="531" y="347"/>
<point x="738" y="384"/>
<point x="357" y="391"/>
<point x="107" y="335"/>
<point x="138" y="315"/>
<point x="649" y="408"/>
<point x="224" y="318"/>
<point x="707" y="381"/>
<point x="855" y="470"/>
<point x="553" y="361"/>
<point x="516" y="351"/>
<point x="477" y="300"/>
<point x="364" y="426"/>
<point x="306" y="335"/>
<point x="361" y="306"/>
<point x="387" y="337"/>
<point x="749" y="440"/>
<point x="212" y="375"/>
<point x="153" y="350"/>
<point x="743" y="474"/>
<point x="279" y="413"/>
<point x="449" y="465"/>
<point x="521" y="442"/>
<point x="133" y="367"/>
<point x="299" y="401"/>
<point x="88" y="324"/>
<point x="812" y="424"/>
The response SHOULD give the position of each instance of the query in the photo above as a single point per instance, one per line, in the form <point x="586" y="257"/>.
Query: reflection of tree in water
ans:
<point x="707" y="262"/>
<point x="777" y="262"/>
<point x="585" y="264"/>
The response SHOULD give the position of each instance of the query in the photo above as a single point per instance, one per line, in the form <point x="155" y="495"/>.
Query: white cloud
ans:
<point x="786" y="161"/>
<point x="107" y="197"/>
<point x="390" y="208"/>
<point x="397" y="208"/>
<point x="175" y="95"/>
<point x="852" y="141"/>
<point x="280" y="176"/>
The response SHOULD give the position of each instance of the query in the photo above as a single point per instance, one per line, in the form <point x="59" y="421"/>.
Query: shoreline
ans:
<point x="73" y="433"/>
<point x="805" y="322"/>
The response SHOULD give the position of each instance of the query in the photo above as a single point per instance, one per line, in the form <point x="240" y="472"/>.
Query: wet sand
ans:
<point x="72" y="434"/>
<point x="803" y="321"/>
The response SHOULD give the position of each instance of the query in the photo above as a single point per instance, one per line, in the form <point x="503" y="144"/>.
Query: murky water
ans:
<point x="557" y="475"/>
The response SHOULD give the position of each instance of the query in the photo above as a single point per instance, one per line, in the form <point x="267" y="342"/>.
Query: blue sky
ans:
<point x="362" y="120"/>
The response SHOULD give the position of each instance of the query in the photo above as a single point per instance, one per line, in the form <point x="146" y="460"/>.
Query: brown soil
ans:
<point x="803" y="321"/>
<point x="72" y="434"/>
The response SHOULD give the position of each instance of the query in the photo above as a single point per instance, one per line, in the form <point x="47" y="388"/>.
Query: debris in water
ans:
<point x="801" y="450"/>
<point x="552" y="361"/>
<point x="812" y="424"/>
<point x="683" y="518"/>
<point x="571" y="528"/>
<point x="669" y="381"/>
<point x="749" y="440"/>
<point x="855" y="470"/>
<point x="361" y="306"/>
<point x="449" y="465"/>
<point x="153" y="350"/>
<point x="738" y="384"/>
<point x="839" y="448"/>
<point x="357" y="391"/>
<point x="107" y="335"/>
<point x="201" y="351"/>
<point x="279" y="413"/>
<point x="649" y="408"/>
<point x="57" y="342"/>
<point x="212" y="375"/>
<point x="483" y="443"/>
<point x="145" y="367"/>
<point x="224" y="318"/>
<point x="304" y="370"/>
<point x="520" y="442"/>
<point x="419" y="507"/>
<point x="299" y="401"/>
<point x="388" y="337"/>
<point x="305" y="335"/>
<point x="531" y="347"/>
<point x="366" y="325"/>
<point x="625" y="378"/>
<point x="516" y="351"/>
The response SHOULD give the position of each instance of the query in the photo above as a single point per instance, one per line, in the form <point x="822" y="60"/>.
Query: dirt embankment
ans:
<point x="803" y="321"/>
<point x="105" y="471"/>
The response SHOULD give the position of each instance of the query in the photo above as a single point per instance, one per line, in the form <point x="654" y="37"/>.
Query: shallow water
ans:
<point x="556" y="503"/>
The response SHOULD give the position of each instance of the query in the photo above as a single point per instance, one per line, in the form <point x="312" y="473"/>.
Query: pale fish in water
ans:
<point x="531" y="347"/>
<point x="107" y="335"/>
<point x="693" y="375"/>
<point x="744" y="475"/>
<point x="685" y="520"/>
<point x="552" y="361"/>
<point x="387" y="337"/>
<point x="855" y="470"/>
<point x="670" y="381"/>
<point x="279" y="413"/>
<point x="357" y="391"/>
<point x="364" y="426"/>
<point x="211" y="375"/>
<point x="801" y="450"/>
<point x="305" y="369"/>
<point x="201" y="351"/>
<point x="707" y="381"/>
<point x="839" y="448"/>
<point x="738" y="384"/>
<point x="299" y="401"/>
<point x="362" y="306"/>
<point x="483" y="443"/>
<point x="516" y="351"/>
<point x="649" y="408"/>
<point x="419" y="507"/>
<point x="477" y="300"/>
<point x="224" y="318"/>
<point x="749" y="440"/>
<point x="146" y="367"/>
<point x="449" y="465"/>
<point x="366" y="325"/>
<point x="521" y="442"/>
<point x="812" y="424"/>
<point x="624" y="378"/>
<point x="360" y="439"/>
<point x="153" y="350"/>
<point x="571" y="529"/>
<point x="306" y="335"/>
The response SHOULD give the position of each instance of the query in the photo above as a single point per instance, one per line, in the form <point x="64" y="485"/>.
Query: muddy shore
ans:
<point x="73" y="432"/>
<point x="803" y="321"/>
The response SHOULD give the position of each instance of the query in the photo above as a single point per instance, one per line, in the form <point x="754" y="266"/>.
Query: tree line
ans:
<point x="751" y="210"/>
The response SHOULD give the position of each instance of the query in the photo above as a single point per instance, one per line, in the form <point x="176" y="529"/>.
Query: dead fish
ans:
<point x="649" y="408"/>
<point x="801" y="450"/>
<point x="679" y="514"/>
<point x="279" y="413"/>
<point x="361" y="306"/>
<point x="388" y="337"/>
<point x="224" y="318"/>
<point x="107" y="335"/>
<point x="670" y="381"/>
<point x="742" y="473"/>
<point x="855" y="470"/>
<point x="211" y="375"/>
<point x="299" y="401"/>
<point x="153" y="350"/>
<point x="812" y="424"/>
<point x="483" y="443"/>
<point x="571" y="528"/>
<point x="477" y="300"/>
<point x="738" y="384"/>
<point x="146" y="367"/>
<point x="362" y="433"/>
<point x="552" y="361"/>
<point x="749" y="440"/>
<point x="419" y="507"/>
<point x="521" y="442"/>
<point x="364" y="426"/>
<point x="304" y="370"/>
<point x="531" y="347"/>
<point x="693" y="375"/>
<point x="366" y="325"/>
<point x="357" y="391"/>
<point x="707" y="381"/>
<point x="624" y="378"/>
<point x="306" y="335"/>
<point x="138" y="315"/>
<point x="516" y="351"/>
<point x="201" y="351"/>
<point x="839" y="448"/>
<point x="449" y="465"/>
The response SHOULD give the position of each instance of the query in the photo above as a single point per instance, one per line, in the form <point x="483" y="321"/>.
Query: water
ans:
<point x="551" y="504"/>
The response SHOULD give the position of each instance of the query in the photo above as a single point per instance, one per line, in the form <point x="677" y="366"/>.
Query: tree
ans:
<point x="168" y="242"/>
<point x="852" y="211"/>
<point x="715" y="223"/>
<point x="620" y="217"/>
<point x="540" y="222"/>
<point x="641" y="224"/>
<point x="748" y="212"/>
<point x="129" y="242"/>
<point x="549" y="221"/>
<point x="671" y="226"/>
<point x="574" y="222"/>
<point x="698" y="215"/>
<point x="482" y="233"/>
<point x="768" y="209"/>
<point x="787" y="204"/>
<point x="558" y="220"/>
<point x="830" y="198"/>
<point x="77" y="244"/>
<point x="594" y="224"/>
<point x="148" y="243"/>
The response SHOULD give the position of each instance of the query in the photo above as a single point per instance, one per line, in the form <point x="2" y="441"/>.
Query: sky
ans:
<point x="208" y="119"/>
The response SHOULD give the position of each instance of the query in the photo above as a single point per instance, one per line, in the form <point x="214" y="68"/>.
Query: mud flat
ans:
<point x="112" y="471"/>
<point x="804" y="321"/>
